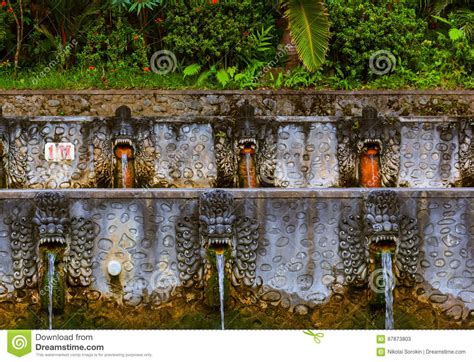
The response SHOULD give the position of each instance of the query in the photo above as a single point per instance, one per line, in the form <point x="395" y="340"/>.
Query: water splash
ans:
<point x="51" y="260"/>
<point x="124" y="160"/>
<point x="389" y="285"/>
<point x="220" y="270"/>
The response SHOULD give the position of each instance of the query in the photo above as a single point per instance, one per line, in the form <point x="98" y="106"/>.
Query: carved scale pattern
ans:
<point x="346" y="156"/>
<point x="354" y="255"/>
<point x="266" y="159"/>
<point x="25" y="259"/>
<point x="189" y="257"/>
<point x="390" y="159"/>
<point x="406" y="258"/>
<point x="17" y="158"/>
<point x="103" y="157"/>
<point x="79" y="259"/>
<point x="145" y="160"/>
<point x="244" y="265"/>
<point x="226" y="168"/>
<point x="466" y="153"/>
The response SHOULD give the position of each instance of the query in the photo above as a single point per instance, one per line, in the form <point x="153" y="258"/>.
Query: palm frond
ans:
<point x="309" y="28"/>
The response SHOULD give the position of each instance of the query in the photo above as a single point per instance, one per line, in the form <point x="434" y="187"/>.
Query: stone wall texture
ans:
<point x="219" y="103"/>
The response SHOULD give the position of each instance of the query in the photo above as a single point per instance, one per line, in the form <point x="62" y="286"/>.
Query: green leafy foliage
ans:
<point x="136" y="6"/>
<point x="362" y="27"/>
<point x="225" y="34"/>
<point x="113" y="46"/>
<point x="236" y="44"/>
<point x="191" y="70"/>
<point x="260" y="44"/>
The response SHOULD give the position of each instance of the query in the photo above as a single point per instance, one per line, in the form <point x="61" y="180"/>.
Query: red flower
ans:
<point x="245" y="33"/>
<point x="215" y="1"/>
<point x="10" y="10"/>
<point x="91" y="67"/>
<point x="158" y="20"/>
<point x="146" y="69"/>
<point x="4" y="3"/>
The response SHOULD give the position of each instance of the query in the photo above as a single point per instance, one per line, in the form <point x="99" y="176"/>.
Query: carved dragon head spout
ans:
<point x="382" y="213"/>
<point x="251" y="162"/>
<point x="379" y="226"/>
<point x="123" y="143"/>
<point x="122" y="130"/>
<point x="124" y="152"/>
<point x="370" y="134"/>
<point x="47" y="227"/>
<point x="51" y="219"/>
<point x="217" y="220"/>
<point x="373" y="136"/>
<point x="246" y="128"/>
<point x="221" y="229"/>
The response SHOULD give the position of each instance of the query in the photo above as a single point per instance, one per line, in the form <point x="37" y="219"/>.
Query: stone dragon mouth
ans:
<point x="370" y="142"/>
<point x="122" y="141"/>
<point x="219" y="243"/>
<point x="383" y="241"/>
<point x="52" y="240"/>
<point x="246" y="141"/>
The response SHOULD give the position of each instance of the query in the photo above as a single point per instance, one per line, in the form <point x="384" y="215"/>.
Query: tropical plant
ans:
<point x="136" y="6"/>
<point x="459" y="13"/>
<point x="308" y="24"/>
<point x="438" y="6"/>
<point x="260" y="45"/>
<point x="226" y="34"/>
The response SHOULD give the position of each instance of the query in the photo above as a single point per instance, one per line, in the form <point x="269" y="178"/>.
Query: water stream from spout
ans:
<point x="220" y="270"/>
<point x="247" y="171"/>
<point x="370" y="168"/>
<point x="389" y="285"/>
<point x="51" y="259"/>
<point x="124" y="160"/>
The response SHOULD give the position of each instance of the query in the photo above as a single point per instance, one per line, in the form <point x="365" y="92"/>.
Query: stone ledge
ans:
<point x="193" y="103"/>
<point x="260" y="193"/>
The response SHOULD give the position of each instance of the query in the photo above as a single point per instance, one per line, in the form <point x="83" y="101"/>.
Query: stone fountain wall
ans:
<point x="296" y="152"/>
<point x="290" y="262"/>
<point x="288" y="266"/>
